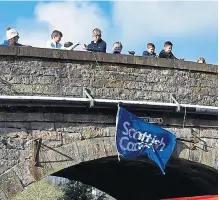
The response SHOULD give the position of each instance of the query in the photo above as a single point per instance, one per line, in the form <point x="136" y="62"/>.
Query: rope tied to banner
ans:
<point x="184" y="118"/>
<point x="117" y="120"/>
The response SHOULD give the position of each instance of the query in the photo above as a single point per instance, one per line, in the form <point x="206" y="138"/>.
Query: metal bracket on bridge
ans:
<point x="37" y="145"/>
<point x="194" y="141"/>
<point x="172" y="99"/>
<point x="86" y="94"/>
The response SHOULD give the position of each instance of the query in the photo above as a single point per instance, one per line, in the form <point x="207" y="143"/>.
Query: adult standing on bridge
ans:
<point x="97" y="45"/>
<point x="12" y="38"/>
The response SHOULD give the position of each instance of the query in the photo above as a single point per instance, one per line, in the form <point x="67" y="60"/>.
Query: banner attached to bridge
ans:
<point x="135" y="137"/>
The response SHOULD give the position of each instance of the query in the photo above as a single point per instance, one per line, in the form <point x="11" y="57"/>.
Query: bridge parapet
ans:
<point x="46" y="72"/>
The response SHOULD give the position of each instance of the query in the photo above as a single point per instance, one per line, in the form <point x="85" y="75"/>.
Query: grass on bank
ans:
<point x="40" y="190"/>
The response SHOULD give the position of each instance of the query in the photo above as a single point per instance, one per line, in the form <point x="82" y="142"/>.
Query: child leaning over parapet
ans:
<point x="55" y="42"/>
<point x="201" y="60"/>
<point x="150" y="51"/>
<point x="117" y="48"/>
<point x="167" y="51"/>
<point x="12" y="38"/>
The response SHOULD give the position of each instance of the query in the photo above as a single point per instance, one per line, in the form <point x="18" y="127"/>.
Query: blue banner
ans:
<point x="135" y="137"/>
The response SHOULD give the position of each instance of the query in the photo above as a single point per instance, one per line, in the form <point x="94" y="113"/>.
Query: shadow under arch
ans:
<point x="142" y="179"/>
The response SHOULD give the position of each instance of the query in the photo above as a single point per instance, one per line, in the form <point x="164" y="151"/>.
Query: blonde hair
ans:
<point x="202" y="59"/>
<point x="97" y="30"/>
<point x="119" y="43"/>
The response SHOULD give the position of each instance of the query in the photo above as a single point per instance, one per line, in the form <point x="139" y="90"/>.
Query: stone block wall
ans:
<point x="69" y="139"/>
<point x="62" y="73"/>
<point x="18" y="130"/>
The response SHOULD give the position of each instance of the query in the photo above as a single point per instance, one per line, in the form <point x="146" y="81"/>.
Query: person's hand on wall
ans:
<point x="78" y="43"/>
<point x="132" y="53"/>
<point x="85" y="47"/>
<point x="68" y="44"/>
<point x="25" y="46"/>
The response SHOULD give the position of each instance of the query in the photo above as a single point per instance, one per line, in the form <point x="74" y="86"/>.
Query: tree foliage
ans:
<point x="75" y="190"/>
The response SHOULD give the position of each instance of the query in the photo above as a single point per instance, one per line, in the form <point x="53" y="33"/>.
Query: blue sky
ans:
<point x="190" y="26"/>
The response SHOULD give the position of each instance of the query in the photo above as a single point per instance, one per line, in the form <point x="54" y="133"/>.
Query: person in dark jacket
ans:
<point x="97" y="45"/>
<point x="12" y="38"/>
<point x="167" y="51"/>
<point x="150" y="51"/>
<point x="117" y="48"/>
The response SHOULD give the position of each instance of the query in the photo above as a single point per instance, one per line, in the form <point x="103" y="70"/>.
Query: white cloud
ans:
<point x="139" y="21"/>
<point x="75" y="20"/>
<point x="133" y="23"/>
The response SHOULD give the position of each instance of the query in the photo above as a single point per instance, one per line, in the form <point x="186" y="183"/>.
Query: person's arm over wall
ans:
<point x="5" y="43"/>
<point x="72" y="47"/>
<point x="100" y="48"/>
<point x="17" y="44"/>
<point x="162" y="54"/>
<point x="145" y="53"/>
<point x="103" y="49"/>
<point x="172" y="56"/>
<point x="94" y="48"/>
<point x="49" y="45"/>
<point x="22" y="45"/>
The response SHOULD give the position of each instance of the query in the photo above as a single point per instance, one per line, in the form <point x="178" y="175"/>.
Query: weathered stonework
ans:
<point x="67" y="141"/>
<point x="135" y="78"/>
<point x="72" y="138"/>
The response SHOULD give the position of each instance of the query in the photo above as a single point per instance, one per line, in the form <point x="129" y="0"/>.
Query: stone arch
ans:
<point x="142" y="179"/>
<point x="69" y="139"/>
<point x="51" y="160"/>
<point x="54" y="160"/>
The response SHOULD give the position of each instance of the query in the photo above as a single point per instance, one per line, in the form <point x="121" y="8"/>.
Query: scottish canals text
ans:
<point x="134" y="140"/>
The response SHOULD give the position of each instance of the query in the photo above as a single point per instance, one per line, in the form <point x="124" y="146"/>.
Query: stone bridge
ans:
<point x="58" y="112"/>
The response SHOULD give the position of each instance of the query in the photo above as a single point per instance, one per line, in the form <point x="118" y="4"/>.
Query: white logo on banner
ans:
<point x="142" y="139"/>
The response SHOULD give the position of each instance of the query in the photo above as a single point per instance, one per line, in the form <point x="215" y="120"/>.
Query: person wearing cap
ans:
<point x="12" y="38"/>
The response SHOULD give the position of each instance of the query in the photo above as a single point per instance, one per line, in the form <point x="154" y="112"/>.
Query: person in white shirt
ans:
<point x="55" y="42"/>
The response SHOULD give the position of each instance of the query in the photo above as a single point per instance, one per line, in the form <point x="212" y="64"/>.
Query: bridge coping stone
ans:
<point x="106" y="58"/>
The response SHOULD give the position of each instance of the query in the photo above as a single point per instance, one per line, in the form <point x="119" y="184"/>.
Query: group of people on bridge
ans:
<point x="97" y="45"/>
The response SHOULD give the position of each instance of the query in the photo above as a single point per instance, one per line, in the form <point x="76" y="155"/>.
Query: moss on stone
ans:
<point x="197" y="91"/>
<point x="114" y="84"/>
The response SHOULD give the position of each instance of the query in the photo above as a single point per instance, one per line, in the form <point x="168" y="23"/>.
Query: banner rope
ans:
<point x="184" y="118"/>
<point x="117" y="119"/>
